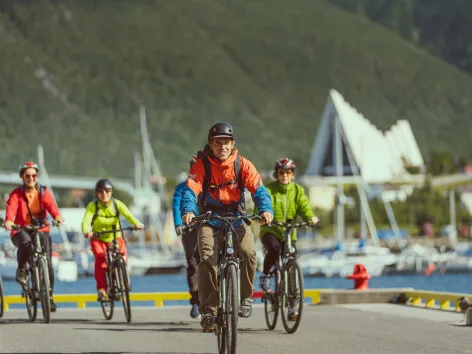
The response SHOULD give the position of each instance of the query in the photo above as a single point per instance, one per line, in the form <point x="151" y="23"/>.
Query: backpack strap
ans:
<point x="239" y="177"/>
<point x="237" y="171"/>
<point x="206" y="184"/>
<point x="94" y="217"/>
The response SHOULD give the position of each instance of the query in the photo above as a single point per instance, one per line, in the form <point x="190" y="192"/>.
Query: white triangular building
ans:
<point x="380" y="157"/>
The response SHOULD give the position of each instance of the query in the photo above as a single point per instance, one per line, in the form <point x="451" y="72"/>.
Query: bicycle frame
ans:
<point x="40" y="290"/>
<point x="113" y="254"/>
<point x="38" y="251"/>
<point x="228" y="256"/>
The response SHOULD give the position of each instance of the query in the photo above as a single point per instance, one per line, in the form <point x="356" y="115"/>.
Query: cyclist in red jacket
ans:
<point x="28" y="205"/>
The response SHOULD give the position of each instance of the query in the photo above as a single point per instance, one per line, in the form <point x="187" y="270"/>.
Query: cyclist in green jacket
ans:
<point x="103" y="214"/>
<point x="289" y="201"/>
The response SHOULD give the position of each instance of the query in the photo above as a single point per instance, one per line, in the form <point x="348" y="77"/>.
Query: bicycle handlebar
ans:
<point x="296" y="225"/>
<point x="230" y="220"/>
<point x="33" y="227"/>
<point x="100" y="233"/>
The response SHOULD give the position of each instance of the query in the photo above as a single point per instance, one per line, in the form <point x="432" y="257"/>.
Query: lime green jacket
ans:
<point x="106" y="219"/>
<point x="289" y="201"/>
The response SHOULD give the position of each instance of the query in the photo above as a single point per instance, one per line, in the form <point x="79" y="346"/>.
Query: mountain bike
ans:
<point x="117" y="277"/>
<point x="37" y="287"/>
<point x="287" y="280"/>
<point x="227" y="313"/>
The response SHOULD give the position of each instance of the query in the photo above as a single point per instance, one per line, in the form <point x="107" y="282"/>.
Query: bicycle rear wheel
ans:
<point x="31" y="296"/>
<point x="292" y="295"/>
<point x="271" y="303"/>
<point x="231" y="309"/>
<point x="124" y="287"/>
<point x="43" y="276"/>
<point x="108" y="305"/>
<point x="2" y="305"/>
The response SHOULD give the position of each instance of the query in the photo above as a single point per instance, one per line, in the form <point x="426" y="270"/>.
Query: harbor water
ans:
<point x="457" y="283"/>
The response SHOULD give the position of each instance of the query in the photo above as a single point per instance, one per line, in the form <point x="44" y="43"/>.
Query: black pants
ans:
<point x="274" y="247"/>
<point x="24" y="241"/>
<point x="192" y="255"/>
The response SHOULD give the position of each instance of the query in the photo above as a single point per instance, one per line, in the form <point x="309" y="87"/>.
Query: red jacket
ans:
<point x="17" y="210"/>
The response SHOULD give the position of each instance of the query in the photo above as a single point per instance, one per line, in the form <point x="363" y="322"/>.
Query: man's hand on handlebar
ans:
<point x="188" y="217"/>
<point x="315" y="220"/>
<point x="266" y="218"/>
<point x="88" y="234"/>
<point x="139" y="226"/>
<point x="9" y="225"/>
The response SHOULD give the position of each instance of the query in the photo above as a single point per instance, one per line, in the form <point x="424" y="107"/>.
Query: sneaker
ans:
<point x="265" y="283"/>
<point x="292" y="314"/>
<point x="102" y="295"/>
<point x="208" y="323"/>
<point x="21" y="276"/>
<point x="194" y="312"/>
<point x="246" y="308"/>
<point x="53" y="306"/>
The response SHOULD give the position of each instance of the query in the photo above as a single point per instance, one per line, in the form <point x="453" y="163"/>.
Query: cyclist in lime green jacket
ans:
<point x="103" y="214"/>
<point x="289" y="201"/>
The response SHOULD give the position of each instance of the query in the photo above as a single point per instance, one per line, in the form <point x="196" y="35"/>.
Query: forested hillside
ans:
<point x="74" y="73"/>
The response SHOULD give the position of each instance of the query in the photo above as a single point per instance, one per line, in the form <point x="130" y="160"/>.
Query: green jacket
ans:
<point x="289" y="201"/>
<point x="106" y="219"/>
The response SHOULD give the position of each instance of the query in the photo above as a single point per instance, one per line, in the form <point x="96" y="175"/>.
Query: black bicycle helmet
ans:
<point x="103" y="184"/>
<point x="221" y="130"/>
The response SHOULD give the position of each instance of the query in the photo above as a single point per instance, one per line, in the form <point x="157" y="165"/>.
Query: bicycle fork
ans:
<point x="233" y="260"/>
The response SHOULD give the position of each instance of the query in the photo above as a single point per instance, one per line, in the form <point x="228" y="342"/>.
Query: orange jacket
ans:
<point x="223" y="172"/>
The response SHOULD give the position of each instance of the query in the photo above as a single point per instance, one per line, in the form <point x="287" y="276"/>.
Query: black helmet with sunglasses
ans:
<point x="103" y="184"/>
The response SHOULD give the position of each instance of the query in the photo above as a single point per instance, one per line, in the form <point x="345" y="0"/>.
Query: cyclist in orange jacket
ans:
<point x="218" y="179"/>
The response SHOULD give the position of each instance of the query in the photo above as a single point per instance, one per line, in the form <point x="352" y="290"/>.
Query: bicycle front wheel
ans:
<point x="108" y="305"/>
<point x="124" y="286"/>
<point x="231" y="309"/>
<point x="2" y="305"/>
<point x="292" y="296"/>
<point x="31" y="296"/>
<point x="43" y="276"/>
<point x="271" y="303"/>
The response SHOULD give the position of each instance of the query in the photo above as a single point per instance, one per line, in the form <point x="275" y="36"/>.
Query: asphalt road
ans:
<point x="324" y="329"/>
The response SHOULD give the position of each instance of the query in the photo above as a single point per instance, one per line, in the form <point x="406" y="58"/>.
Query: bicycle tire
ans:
<point x="231" y="309"/>
<point x="271" y="304"/>
<point x="30" y="297"/>
<point x="124" y="287"/>
<point x="44" y="288"/>
<point x="2" y="299"/>
<point x="220" y="325"/>
<point x="108" y="305"/>
<point x="292" y="273"/>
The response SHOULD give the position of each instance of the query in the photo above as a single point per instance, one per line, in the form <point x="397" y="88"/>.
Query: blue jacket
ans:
<point x="176" y="204"/>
